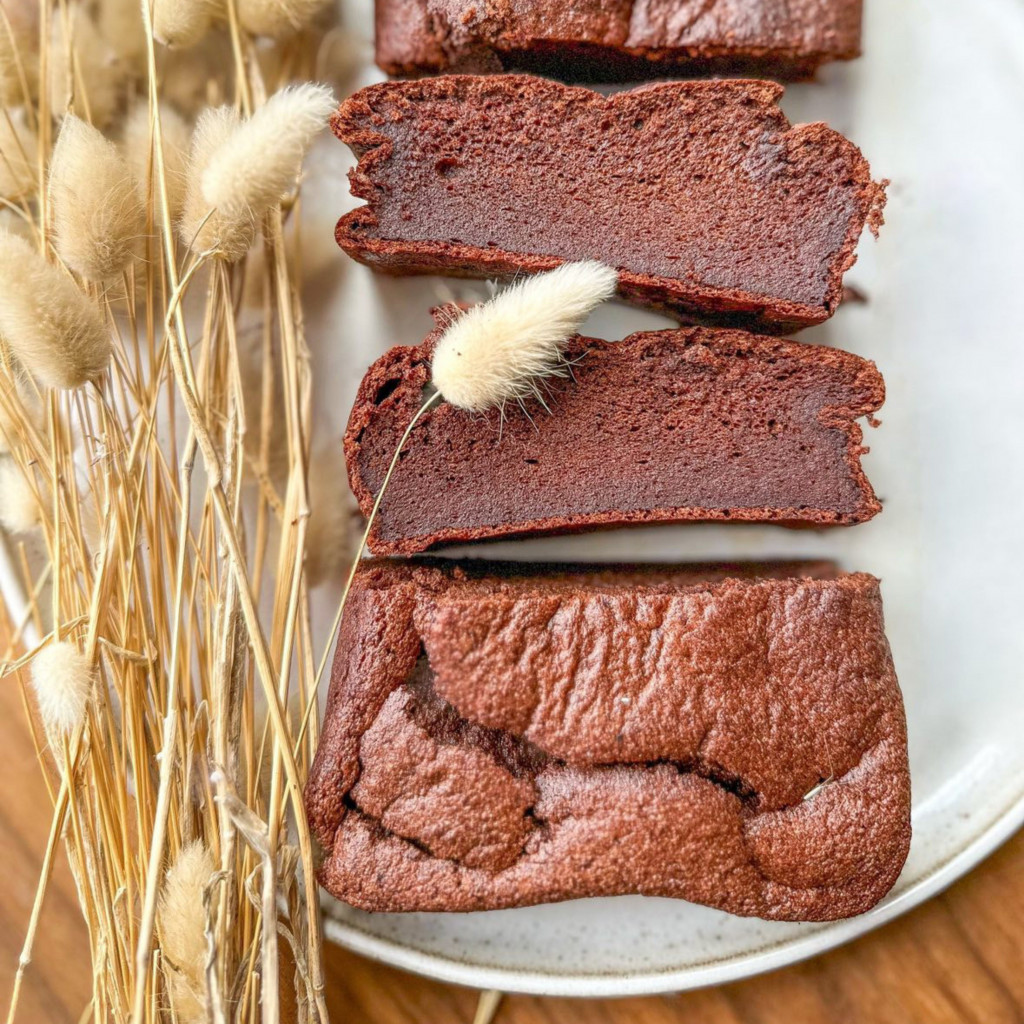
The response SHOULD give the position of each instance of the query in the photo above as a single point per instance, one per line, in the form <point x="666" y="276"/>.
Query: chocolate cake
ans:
<point x="499" y="736"/>
<point x="617" y="40"/>
<point x="689" y="424"/>
<point x="701" y="194"/>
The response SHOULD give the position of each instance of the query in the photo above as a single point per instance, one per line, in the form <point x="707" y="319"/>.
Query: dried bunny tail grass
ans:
<point x="137" y="143"/>
<point x="17" y="157"/>
<point x="198" y="77"/>
<point x="90" y="84"/>
<point x="184" y="22"/>
<point x="332" y="534"/>
<point x="259" y="161"/>
<point x="500" y="350"/>
<point x="279" y="19"/>
<point x="98" y="213"/>
<point x="62" y="678"/>
<point x="55" y="331"/>
<point x="19" y="505"/>
<point x="19" y="51"/>
<point x="120" y="24"/>
<point x="200" y="228"/>
<point x="181" y="921"/>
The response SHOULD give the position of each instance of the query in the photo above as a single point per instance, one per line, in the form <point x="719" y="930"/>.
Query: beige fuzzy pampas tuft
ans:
<point x="55" y="331"/>
<point x="279" y="19"/>
<point x="181" y="920"/>
<point x="62" y="678"/>
<point x="98" y="213"/>
<point x="183" y="22"/>
<point x="137" y="145"/>
<point x="498" y="351"/>
<point x="17" y="157"/>
<point x="19" y="507"/>
<point x="240" y="171"/>
<point x="200" y="227"/>
<point x="91" y="84"/>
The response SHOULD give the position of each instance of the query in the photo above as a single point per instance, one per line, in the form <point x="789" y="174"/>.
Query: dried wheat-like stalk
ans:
<point x="174" y="653"/>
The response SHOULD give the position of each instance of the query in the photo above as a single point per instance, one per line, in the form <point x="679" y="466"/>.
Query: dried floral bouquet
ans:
<point x="153" y="370"/>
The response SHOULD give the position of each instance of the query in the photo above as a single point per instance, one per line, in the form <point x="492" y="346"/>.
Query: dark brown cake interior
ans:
<point x="705" y="183"/>
<point x="675" y="424"/>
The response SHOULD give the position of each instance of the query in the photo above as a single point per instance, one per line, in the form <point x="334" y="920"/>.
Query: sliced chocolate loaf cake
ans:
<point x="499" y="736"/>
<point x="701" y="194"/>
<point x="617" y="40"/>
<point x="690" y="424"/>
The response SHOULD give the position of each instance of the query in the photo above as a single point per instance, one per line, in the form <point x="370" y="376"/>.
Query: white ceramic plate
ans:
<point x="936" y="106"/>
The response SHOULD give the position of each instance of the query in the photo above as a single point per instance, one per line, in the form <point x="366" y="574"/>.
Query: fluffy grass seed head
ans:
<point x="182" y="23"/>
<point x="252" y="166"/>
<point x="62" y="678"/>
<point x="278" y="19"/>
<point x="98" y="213"/>
<point x="120" y="23"/>
<point x="200" y="227"/>
<point x="55" y="331"/>
<point x="17" y="156"/>
<point x="19" y="51"/>
<point x="198" y="77"/>
<point x="181" y="923"/>
<point x="137" y="144"/>
<point x="19" y="506"/>
<point x="85" y="76"/>
<point x="499" y="351"/>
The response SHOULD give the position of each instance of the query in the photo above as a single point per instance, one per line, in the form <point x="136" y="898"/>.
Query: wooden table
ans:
<point x="959" y="959"/>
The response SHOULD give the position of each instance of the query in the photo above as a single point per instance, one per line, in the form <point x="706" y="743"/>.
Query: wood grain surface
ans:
<point x="959" y="959"/>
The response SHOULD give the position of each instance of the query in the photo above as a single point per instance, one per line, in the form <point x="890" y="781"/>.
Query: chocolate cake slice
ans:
<point x="701" y="194"/>
<point x="500" y="735"/>
<point x="617" y="40"/>
<point x="690" y="424"/>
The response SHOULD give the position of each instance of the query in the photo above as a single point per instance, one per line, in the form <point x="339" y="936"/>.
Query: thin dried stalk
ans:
<point x="154" y="571"/>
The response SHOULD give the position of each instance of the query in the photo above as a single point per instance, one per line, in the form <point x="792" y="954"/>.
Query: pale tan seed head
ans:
<point x="138" y="145"/>
<point x="19" y="505"/>
<point x="99" y="216"/>
<point x="198" y="77"/>
<point x="202" y="227"/>
<point x="279" y="19"/>
<point x="181" y="926"/>
<point x="252" y="166"/>
<point x="55" y="331"/>
<point x="120" y="24"/>
<point x="502" y="349"/>
<point x="183" y="23"/>
<point x="85" y="76"/>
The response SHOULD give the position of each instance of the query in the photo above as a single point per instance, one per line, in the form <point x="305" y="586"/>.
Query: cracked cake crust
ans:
<point x="616" y="40"/>
<point x="500" y="736"/>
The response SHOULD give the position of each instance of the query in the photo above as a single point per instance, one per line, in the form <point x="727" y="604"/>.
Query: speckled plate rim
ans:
<point x="911" y="893"/>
